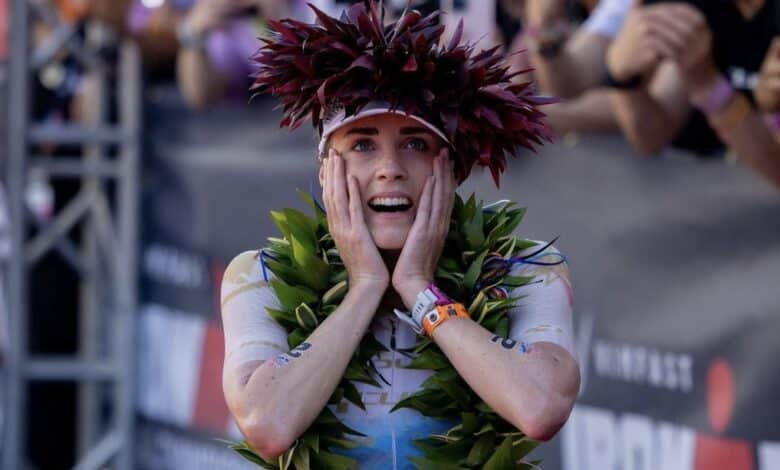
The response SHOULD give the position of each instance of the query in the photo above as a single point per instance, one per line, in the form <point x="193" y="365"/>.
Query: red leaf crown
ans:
<point x="354" y="60"/>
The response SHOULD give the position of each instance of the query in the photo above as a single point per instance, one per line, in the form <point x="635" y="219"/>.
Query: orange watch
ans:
<point x="441" y="314"/>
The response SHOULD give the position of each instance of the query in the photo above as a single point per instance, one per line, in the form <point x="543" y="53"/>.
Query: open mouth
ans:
<point x="390" y="204"/>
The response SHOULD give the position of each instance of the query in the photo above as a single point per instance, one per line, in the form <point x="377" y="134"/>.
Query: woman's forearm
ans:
<point x="577" y="67"/>
<point x="589" y="112"/>
<point x="644" y="122"/>
<point x="554" y="74"/>
<point x="284" y="396"/>
<point x="750" y="138"/>
<point x="200" y="84"/>
<point x="532" y="387"/>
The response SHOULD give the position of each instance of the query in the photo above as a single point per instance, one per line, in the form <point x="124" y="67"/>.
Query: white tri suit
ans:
<point x="543" y="314"/>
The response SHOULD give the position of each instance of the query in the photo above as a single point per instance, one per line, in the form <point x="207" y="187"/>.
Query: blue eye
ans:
<point x="416" y="143"/>
<point x="363" y="145"/>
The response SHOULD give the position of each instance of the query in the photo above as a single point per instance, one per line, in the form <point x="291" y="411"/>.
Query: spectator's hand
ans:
<point x="273" y="9"/>
<point x="684" y="37"/>
<point x="768" y="89"/>
<point x="347" y="225"/>
<point x="207" y="15"/>
<point x="544" y="13"/>
<point x="634" y="51"/>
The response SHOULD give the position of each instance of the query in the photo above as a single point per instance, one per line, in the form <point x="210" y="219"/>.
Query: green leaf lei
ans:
<point x="310" y="282"/>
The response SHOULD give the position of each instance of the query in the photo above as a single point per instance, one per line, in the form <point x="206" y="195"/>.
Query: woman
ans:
<point x="389" y="169"/>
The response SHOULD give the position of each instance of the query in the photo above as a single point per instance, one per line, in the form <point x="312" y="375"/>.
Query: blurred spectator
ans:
<point x="217" y="39"/>
<point x="335" y="7"/>
<point x="154" y="28"/>
<point x="5" y="254"/>
<point x="112" y="13"/>
<point x="3" y="30"/>
<point x="568" y="60"/>
<point x="4" y="12"/>
<point x="479" y="21"/>
<point x="5" y="220"/>
<point x="567" y="63"/>
<point x="672" y="59"/>
<point x="768" y="88"/>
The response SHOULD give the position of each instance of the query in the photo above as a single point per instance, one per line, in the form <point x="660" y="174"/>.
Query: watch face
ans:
<point x="433" y="317"/>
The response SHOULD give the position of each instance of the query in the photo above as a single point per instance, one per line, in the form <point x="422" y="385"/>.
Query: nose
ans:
<point x="390" y="167"/>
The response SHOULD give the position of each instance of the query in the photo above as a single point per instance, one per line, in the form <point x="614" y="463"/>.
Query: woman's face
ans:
<point x="391" y="155"/>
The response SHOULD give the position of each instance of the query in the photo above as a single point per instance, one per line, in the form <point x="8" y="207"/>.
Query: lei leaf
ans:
<point x="310" y="281"/>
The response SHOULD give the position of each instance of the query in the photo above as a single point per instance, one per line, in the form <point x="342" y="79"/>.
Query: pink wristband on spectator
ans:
<point x="773" y="122"/>
<point x="138" y="17"/>
<point x="560" y="28"/>
<point x="532" y="32"/>
<point x="230" y="49"/>
<point x="719" y="96"/>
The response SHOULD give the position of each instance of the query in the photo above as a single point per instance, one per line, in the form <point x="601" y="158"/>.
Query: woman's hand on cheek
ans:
<point x="417" y="263"/>
<point x="347" y="225"/>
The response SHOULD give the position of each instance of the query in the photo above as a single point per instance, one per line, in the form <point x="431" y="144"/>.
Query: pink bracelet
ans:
<point x="718" y="97"/>
<point x="773" y="122"/>
<point x="441" y="297"/>
<point x="533" y="32"/>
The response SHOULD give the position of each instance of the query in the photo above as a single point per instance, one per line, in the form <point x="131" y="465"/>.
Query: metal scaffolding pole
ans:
<point x="93" y="283"/>
<point x="105" y="256"/>
<point x="18" y="122"/>
<point x="126" y="268"/>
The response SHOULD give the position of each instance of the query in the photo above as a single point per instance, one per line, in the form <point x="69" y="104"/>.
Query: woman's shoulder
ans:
<point x="540" y="249"/>
<point x="541" y="258"/>
<point x="242" y="266"/>
<point x="244" y="272"/>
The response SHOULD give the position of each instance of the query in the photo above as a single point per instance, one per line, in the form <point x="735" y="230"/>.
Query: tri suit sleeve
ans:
<point x="251" y="335"/>
<point x="544" y="311"/>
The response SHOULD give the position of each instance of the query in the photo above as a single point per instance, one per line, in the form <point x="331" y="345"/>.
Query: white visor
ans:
<point x="372" y="109"/>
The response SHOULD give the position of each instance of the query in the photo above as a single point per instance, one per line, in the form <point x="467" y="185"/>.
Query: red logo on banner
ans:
<point x="713" y="452"/>
<point x="3" y="30"/>
<point x="211" y="412"/>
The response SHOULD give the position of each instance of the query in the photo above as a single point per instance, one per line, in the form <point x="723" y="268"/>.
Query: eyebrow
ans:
<point x="415" y="130"/>
<point x="403" y="131"/>
<point x="364" y="131"/>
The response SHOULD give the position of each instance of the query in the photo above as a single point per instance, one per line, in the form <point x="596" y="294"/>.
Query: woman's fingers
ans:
<point x="421" y="219"/>
<point x="325" y="183"/>
<point x="672" y="43"/>
<point x="773" y="84"/>
<point x="355" y="202"/>
<point x="771" y="67"/>
<point x="339" y="192"/>
<point x="449" y="194"/>
<point x="445" y="192"/>
<point x="662" y="47"/>
<point x="437" y="203"/>
<point x="334" y="193"/>
<point x="327" y="191"/>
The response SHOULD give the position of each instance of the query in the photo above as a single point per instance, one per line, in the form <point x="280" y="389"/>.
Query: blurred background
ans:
<point x="135" y="166"/>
